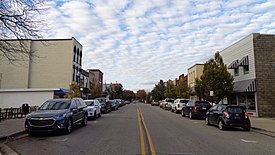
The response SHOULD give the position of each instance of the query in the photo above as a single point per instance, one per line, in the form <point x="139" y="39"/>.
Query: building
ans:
<point x="251" y="61"/>
<point x="56" y="64"/>
<point x="194" y="72"/>
<point x="183" y="78"/>
<point x="116" y="86"/>
<point x="96" y="79"/>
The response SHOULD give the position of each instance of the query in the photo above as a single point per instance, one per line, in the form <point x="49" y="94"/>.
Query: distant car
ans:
<point x="127" y="102"/>
<point x="105" y="105"/>
<point x="93" y="108"/>
<point x="196" y="109"/>
<point x="114" y="104"/>
<point x="225" y="116"/>
<point x="168" y="103"/>
<point x="161" y="104"/>
<point x="178" y="105"/>
<point x="120" y="102"/>
<point x="155" y="103"/>
<point x="57" y="114"/>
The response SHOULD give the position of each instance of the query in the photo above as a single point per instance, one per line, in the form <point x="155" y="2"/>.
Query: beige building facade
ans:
<point x="194" y="72"/>
<point x="54" y="65"/>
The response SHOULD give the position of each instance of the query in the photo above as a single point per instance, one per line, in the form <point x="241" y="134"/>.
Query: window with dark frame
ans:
<point x="236" y="71"/>
<point x="245" y="69"/>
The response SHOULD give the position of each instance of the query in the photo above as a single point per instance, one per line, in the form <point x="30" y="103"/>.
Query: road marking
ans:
<point x="60" y="140"/>
<point x="141" y="135"/>
<point x="247" y="141"/>
<point x="152" y="148"/>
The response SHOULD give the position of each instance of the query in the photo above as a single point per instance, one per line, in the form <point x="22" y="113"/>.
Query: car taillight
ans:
<point x="195" y="108"/>
<point x="226" y="114"/>
<point x="246" y="115"/>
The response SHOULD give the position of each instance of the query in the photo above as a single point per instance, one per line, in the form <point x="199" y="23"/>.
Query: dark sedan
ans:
<point x="225" y="116"/>
<point x="196" y="109"/>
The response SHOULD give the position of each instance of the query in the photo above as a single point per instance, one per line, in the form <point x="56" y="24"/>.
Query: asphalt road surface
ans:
<point x="145" y="129"/>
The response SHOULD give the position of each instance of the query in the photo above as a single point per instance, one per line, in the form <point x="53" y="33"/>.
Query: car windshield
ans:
<point x="184" y="101"/>
<point x="235" y="109"/>
<point x="202" y="103"/>
<point x="89" y="103"/>
<point x="170" y="100"/>
<point x="55" y="105"/>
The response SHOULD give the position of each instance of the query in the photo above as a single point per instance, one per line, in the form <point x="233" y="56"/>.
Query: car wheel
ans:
<point x="207" y="120"/>
<point x="246" y="128"/>
<point x="99" y="115"/>
<point x="221" y="125"/>
<point x="190" y="115"/>
<point x="84" y="120"/>
<point x="69" y="127"/>
<point x="95" y="115"/>
<point x="182" y="113"/>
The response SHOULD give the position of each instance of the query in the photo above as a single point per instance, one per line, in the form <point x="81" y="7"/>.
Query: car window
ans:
<point x="214" y="107"/>
<point x="89" y="103"/>
<point x="235" y="109"/>
<point x="78" y="104"/>
<point x="55" y="105"/>
<point x="190" y="103"/>
<point x="219" y="108"/>
<point x="183" y="101"/>
<point x="73" y="104"/>
<point x="202" y="103"/>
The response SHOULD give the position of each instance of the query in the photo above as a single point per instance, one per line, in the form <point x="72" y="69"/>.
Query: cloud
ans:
<point x="139" y="42"/>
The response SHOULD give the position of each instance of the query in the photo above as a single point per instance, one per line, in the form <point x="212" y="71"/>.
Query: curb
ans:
<point x="264" y="132"/>
<point x="12" y="135"/>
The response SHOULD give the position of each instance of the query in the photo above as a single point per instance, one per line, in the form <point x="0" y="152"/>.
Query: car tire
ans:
<point x="207" y="120"/>
<point x="190" y="115"/>
<point x="182" y="113"/>
<point x="95" y="115"/>
<point x="99" y="115"/>
<point x="84" y="120"/>
<point x="69" y="127"/>
<point x="221" y="125"/>
<point x="246" y="128"/>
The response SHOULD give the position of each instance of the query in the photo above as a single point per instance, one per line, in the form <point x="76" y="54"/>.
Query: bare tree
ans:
<point x="20" y="20"/>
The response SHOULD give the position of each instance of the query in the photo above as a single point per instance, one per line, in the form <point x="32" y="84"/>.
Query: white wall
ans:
<point x="16" y="99"/>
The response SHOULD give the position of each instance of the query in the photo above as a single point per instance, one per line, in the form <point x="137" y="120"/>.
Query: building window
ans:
<point x="245" y="69"/>
<point x="236" y="71"/>
<point x="77" y="54"/>
<point x="74" y="52"/>
<point x="80" y="58"/>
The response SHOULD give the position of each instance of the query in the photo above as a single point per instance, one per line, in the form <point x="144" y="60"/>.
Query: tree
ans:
<point x="128" y="95"/>
<point x="181" y="89"/>
<point x="141" y="95"/>
<point x="19" y="19"/>
<point x="215" y="78"/>
<point x="158" y="91"/>
<point x="74" y="91"/>
<point x="170" y="90"/>
<point x="117" y="93"/>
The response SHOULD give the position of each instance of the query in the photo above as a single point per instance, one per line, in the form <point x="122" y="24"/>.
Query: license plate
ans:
<point x="237" y="117"/>
<point x="203" y="108"/>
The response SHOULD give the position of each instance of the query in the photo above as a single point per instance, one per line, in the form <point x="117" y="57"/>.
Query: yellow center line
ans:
<point x="152" y="148"/>
<point x="141" y="135"/>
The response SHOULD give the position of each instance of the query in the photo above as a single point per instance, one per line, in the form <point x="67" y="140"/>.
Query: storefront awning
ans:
<point x="245" y="86"/>
<point x="62" y="91"/>
<point x="244" y="61"/>
<point x="234" y="65"/>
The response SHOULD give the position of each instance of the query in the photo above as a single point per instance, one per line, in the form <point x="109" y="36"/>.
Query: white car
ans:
<point x="93" y="108"/>
<point x="178" y="105"/>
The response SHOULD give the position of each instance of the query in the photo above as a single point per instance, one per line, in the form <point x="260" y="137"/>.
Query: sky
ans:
<point x="138" y="42"/>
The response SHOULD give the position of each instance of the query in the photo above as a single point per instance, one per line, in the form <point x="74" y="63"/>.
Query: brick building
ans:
<point x="251" y="61"/>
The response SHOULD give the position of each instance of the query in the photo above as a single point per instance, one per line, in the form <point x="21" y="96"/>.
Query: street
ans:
<point x="145" y="129"/>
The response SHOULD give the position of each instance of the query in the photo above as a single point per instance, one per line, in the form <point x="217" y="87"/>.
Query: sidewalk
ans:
<point x="11" y="127"/>
<point x="265" y="126"/>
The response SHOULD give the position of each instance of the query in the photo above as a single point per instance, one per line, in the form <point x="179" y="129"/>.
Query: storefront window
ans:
<point x="248" y="101"/>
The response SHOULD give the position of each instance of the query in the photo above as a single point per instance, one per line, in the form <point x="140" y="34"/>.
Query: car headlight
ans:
<point x="28" y="116"/>
<point x="62" y="115"/>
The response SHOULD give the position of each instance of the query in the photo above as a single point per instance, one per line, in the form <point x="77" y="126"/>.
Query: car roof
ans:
<point x="59" y="99"/>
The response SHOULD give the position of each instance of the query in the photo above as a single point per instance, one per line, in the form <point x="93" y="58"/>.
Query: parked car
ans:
<point x="127" y="102"/>
<point x="105" y="105"/>
<point x="154" y="103"/>
<point x="178" y="105"/>
<point x="168" y="103"/>
<point x="93" y="108"/>
<point x="196" y="109"/>
<point x="225" y="116"/>
<point x="57" y="114"/>
<point x="120" y="102"/>
<point x="114" y="104"/>
<point x="161" y="104"/>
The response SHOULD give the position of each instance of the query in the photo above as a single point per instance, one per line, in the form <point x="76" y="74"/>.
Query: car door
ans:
<point x="97" y="106"/>
<point x="210" y="113"/>
<point x="74" y="110"/>
<point x="217" y="113"/>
